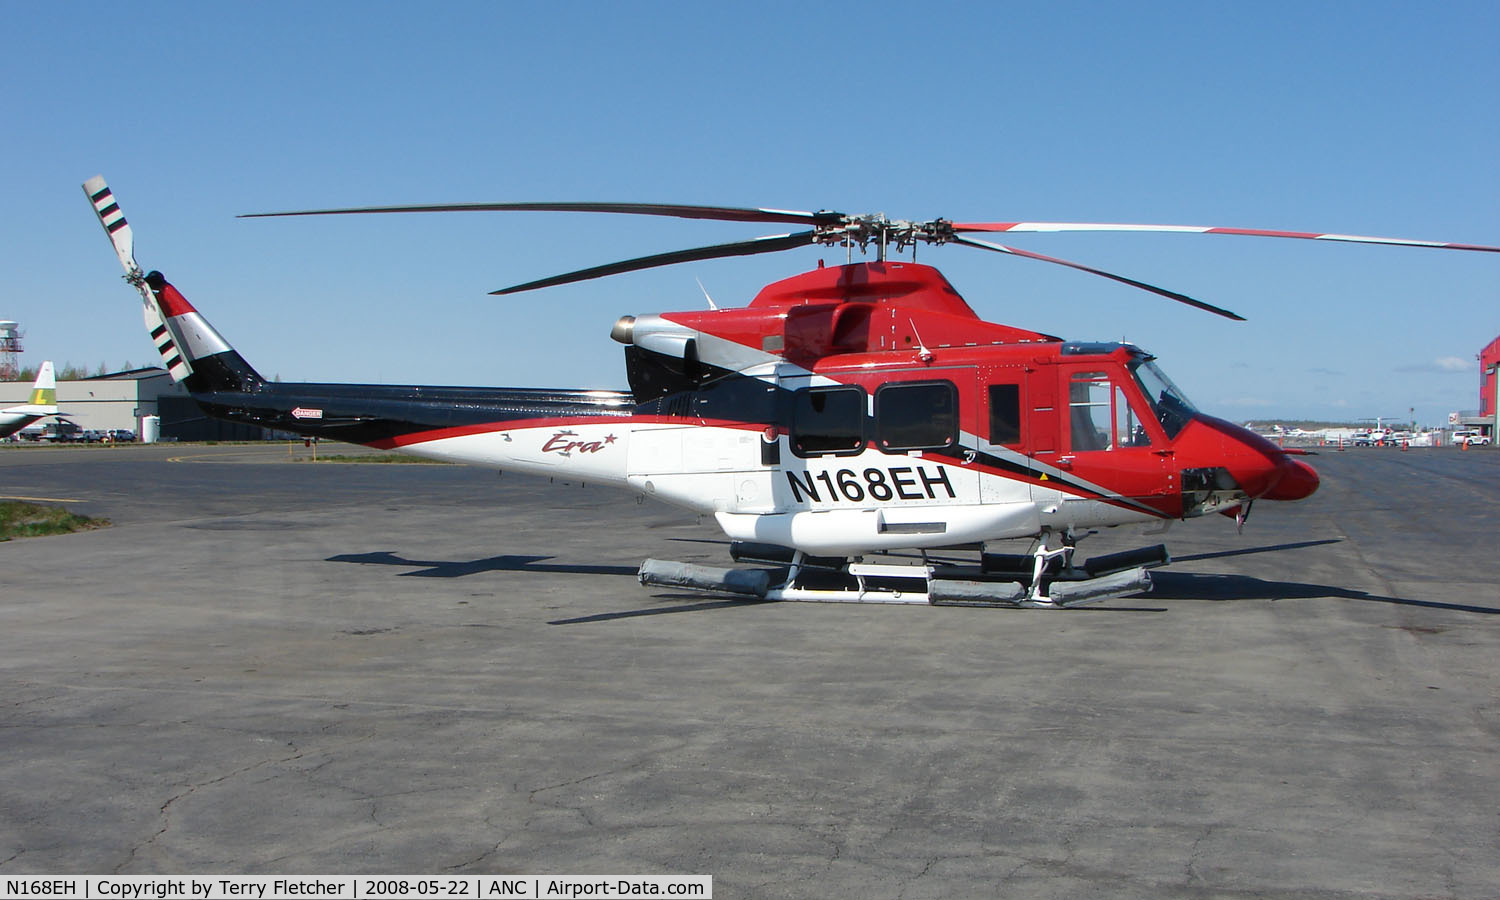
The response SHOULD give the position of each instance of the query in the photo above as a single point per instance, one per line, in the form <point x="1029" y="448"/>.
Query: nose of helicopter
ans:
<point x="1265" y="470"/>
<point x="1296" y="480"/>
<point x="1258" y="467"/>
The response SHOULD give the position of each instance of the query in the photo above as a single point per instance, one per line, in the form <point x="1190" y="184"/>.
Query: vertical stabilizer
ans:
<point x="43" y="404"/>
<point x="44" y="391"/>
<point x="191" y="350"/>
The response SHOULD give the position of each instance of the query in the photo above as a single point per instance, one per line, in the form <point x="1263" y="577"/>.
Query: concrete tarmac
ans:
<point x="268" y="666"/>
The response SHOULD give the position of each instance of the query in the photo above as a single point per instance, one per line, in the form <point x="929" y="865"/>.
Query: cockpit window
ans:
<point x="1172" y="407"/>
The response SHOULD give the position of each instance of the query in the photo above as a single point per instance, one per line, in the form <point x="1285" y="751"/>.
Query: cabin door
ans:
<point x="1107" y="445"/>
<point x="1008" y="431"/>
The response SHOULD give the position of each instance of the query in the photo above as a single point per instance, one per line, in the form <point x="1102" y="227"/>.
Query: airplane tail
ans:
<point x="191" y="350"/>
<point x="43" y="404"/>
<point x="44" y="390"/>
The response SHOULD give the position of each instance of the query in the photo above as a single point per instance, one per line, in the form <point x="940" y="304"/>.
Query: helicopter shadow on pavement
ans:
<point x="1197" y="586"/>
<point x="1246" y="551"/>
<point x="704" y="602"/>
<point x="1192" y="586"/>
<point x="428" y="568"/>
<point x="707" y="601"/>
<point x="1166" y="585"/>
<point x="432" y="568"/>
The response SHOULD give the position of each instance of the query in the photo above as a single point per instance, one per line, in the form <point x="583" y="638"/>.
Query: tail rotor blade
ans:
<point x="1172" y="295"/>
<point x="769" y="244"/>
<point x="113" y="220"/>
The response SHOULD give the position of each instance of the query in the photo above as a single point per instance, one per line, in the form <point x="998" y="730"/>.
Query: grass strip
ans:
<point x="21" y="519"/>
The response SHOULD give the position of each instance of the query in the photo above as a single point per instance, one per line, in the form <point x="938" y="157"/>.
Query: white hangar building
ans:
<point x="122" y="399"/>
<point x="104" y="402"/>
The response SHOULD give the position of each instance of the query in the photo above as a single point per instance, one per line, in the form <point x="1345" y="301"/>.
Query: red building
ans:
<point x="1489" y="361"/>
<point x="1483" y="419"/>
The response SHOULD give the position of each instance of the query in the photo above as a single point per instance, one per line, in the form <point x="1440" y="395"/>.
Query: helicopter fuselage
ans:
<point x="849" y="409"/>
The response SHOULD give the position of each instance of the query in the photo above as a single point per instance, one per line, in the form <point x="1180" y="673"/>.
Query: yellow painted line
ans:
<point x="239" y="455"/>
<point x="206" y="457"/>
<point x="196" y="457"/>
<point x="45" y="499"/>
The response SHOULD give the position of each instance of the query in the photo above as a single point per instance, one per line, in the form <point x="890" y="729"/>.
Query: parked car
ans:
<point x="1473" y="438"/>
<point x="61" y="432"/>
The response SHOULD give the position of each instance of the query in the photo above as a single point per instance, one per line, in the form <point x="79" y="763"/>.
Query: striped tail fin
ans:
<point x="191" y="350"/>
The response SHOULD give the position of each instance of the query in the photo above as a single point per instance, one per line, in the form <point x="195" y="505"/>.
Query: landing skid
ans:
<point x="1045" y="578"/>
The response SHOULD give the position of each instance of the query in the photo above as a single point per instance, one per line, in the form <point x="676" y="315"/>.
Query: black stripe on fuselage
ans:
<point x="366" y="413"/>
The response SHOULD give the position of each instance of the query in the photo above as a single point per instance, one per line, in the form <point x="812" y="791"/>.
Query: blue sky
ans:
<point x="1367" y="118"/>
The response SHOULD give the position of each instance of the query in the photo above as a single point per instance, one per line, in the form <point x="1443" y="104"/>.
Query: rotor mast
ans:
<point x="883" y="232"/>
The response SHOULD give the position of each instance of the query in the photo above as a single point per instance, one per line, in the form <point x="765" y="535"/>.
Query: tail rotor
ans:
<point x="120" y="236"/>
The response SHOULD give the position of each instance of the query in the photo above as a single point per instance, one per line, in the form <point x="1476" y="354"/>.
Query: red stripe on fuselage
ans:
<point x="442" y="434"/>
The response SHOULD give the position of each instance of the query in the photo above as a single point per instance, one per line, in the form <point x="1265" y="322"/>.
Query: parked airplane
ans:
<point x="43" y="404"/>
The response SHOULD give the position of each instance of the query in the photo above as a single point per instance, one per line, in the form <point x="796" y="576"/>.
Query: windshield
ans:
<point x="1172" y="407"/>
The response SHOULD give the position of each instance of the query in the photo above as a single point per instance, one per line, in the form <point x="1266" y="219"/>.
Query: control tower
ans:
<point x="10" y="350"/>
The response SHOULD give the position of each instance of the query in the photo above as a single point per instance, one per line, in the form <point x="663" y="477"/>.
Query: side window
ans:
<point x="1129" y="432"/>
<point x="735" y="397"/>
<point x="1100" y="416"/>
<point x="1089" y="415"/>
<point x="828" y="420"/>
<point x="920" y="416"/>
<point x="1005" y="414"/>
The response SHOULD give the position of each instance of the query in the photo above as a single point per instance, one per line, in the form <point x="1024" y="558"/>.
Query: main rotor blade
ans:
<point x="723" y="213"/>
<point x="1173" y="295"/>
<point x="1203" y="229"/>
<point x="769" y="244"/>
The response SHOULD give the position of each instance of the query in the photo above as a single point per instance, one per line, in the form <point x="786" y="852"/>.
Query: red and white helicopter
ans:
<point x="845" y="413"/>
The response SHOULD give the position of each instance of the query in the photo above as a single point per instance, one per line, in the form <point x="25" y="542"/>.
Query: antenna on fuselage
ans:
<point x="711" y="304"/>
<point x="923" y="353"/>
